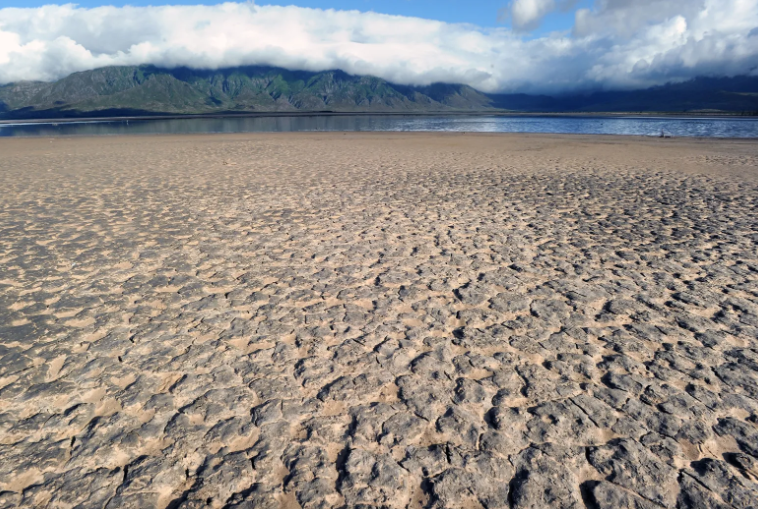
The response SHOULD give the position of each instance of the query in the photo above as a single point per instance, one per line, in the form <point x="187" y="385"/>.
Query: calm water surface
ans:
<point x="644" y="126"/>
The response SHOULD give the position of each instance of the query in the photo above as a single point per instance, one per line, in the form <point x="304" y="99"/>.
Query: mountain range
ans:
<point x="149" y="90"/>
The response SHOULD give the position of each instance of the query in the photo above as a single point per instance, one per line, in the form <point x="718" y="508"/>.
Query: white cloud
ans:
<point x="624" y="18"/>
<point x="660" y="41"/>
<point x="528" y="14"/>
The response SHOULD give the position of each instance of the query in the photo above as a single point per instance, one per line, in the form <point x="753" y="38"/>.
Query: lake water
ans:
<point x="641" y="126"/>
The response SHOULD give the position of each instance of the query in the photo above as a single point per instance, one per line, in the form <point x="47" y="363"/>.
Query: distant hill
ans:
<point x="735" y="95"/>
<point x="148" y="90"/>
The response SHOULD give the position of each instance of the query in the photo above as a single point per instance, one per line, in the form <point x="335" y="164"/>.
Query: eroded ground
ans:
<point x="378" y="320"/>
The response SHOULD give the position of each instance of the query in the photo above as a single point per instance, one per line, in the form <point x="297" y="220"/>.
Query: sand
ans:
<point x="378" y="320"/>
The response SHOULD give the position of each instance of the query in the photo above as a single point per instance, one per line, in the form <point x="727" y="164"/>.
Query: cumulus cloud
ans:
<point x="528" y="14"/>
<point x="624" y="18"/>
<point x="661" y="41"/>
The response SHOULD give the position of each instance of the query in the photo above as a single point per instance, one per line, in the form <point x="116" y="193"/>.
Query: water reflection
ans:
<point x="646" y="126"/>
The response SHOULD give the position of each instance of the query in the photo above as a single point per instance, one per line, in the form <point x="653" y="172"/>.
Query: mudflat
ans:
<point x="378" y="320"/>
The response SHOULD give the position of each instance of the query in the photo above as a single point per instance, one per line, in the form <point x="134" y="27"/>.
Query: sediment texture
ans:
<point x="378" y="320"/>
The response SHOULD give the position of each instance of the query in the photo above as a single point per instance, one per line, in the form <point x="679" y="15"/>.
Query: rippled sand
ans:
<point x="378" y="320"/>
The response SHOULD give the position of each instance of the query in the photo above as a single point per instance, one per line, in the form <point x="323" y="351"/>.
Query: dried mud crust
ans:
<point x="378" y="321"/>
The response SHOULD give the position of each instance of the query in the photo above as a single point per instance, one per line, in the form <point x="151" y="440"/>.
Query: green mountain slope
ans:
<point x="146" y="89"/>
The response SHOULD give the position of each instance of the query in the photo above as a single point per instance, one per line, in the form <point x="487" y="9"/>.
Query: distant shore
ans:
<point x="499" y="113"/>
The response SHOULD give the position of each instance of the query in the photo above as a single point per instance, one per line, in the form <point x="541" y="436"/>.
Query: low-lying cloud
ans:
<point x="617" y="44"/>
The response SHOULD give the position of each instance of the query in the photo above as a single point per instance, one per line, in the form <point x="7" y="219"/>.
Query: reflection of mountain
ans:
<point x="146" y="90"/>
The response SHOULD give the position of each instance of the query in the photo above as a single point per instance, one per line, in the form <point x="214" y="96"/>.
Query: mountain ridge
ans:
<point x="244" y="89"/>
<point x="150" y="90"/>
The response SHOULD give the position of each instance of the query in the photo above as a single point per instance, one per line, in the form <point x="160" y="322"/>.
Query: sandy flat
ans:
<point x="378" y="320"/>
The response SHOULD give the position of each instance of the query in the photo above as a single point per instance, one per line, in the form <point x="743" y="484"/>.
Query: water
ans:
<point x="641" y="126"/>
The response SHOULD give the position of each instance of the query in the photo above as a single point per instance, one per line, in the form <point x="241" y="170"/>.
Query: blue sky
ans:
<point x="479" y="12"/>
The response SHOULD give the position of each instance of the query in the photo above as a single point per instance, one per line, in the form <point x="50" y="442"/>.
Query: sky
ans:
<point x="484" y="13"/>
<point x="545" y="46"/>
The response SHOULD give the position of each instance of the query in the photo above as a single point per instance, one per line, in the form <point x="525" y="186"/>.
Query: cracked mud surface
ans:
<point x="378" y="320"/>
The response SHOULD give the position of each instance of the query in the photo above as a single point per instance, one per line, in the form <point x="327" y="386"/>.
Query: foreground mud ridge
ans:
<point x="317" y="321"/>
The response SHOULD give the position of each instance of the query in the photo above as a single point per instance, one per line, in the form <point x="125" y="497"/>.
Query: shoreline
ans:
<point x="477" y="113"/>
<point x="252" y="135"/>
